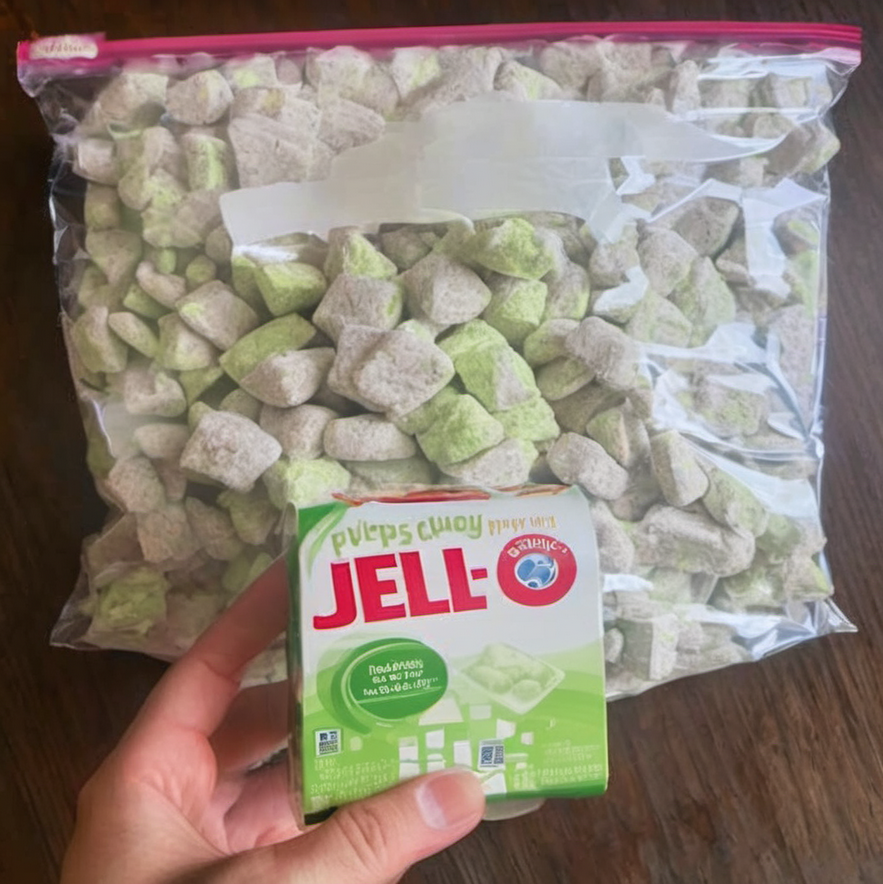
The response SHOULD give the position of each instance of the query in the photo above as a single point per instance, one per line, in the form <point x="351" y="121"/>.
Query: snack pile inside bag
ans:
<point x="300" y="271"/>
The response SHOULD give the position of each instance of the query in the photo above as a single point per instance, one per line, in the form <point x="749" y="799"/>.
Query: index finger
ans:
<point x="197" y="690"/>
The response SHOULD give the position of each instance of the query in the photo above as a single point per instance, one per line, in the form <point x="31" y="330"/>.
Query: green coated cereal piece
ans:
<point x="525" y="83"/>
<point x="805" y="580"/>
<point x="797" y="234"/>
<point x="707" y="223"/>
<point x="78" y="370"/>
<point x="573" y="412"/>
<point x="229" y="448"/>
<point x="218" y="245"/>
<point x="516" y="308"/>
<point x="444" y="290"/>
<point x="366" y="437"/>
<point x="377" y="475"/>
<point x="214" y="312"/>
<point x="200" y="99"/>
<point x="196" y="381"/>
<point x="200" y="271"/>
<point x="512" y="248"/>
<point x="180" y="348"/>
<point x="650" y="646"/>
<point x="351" y="253"/>
<point x="277" y="336"/>
<point x="607" y="351"/>
<point x="621" y="433"/>
<point x="304" y="482"/>
<point x="563" y="377"/>
<point x="97" y="345"/>
<point x="214" y="529"/>
<point x="161" y="441"/>
<point x="804" y="276"/>
<point x="243" y="270"/>
<point x="414" y="67"/>
<point x="574" y="459"/>
<point x="468" y="337"/>
<point x="404" y="246"/>
<point x="691" y="541"/>
<point x="116" y="544"/>
<point x="497" y="376"/>
<point x="616" y="552"/>
<point x="676" y="467"/>
<point x="95" y="159"/>
<point x="611" y="262"/>
<point x="705" y="300"/>
<point x="133" y="603"/>
<point x="671" y="586"/>
<point x="456" y="243"/>
<point x="165" y="288"/>
<point x="251" y="71"/>
<point x="146" y="391"/>
<point x="209" y="161"/>
<point x="666" y="259"/>
<point x="101" y="207"/>
<point x="547" y="341"/>
<point x="99" y="459"/>
<point x="135" y="332"/>
<point x="785" y="536"/>
<point x="196" y="412"/>
<point x="134" y="485"/>
<point x="93" y="289"/>
<point x="290" y="286"/>
<point x="618" y="304"/>
<point x="532" y="421"/>
<point x="131" y="100"/>
<point x="732" y="503"/>
<point x="402" y="372"/>
<point x="253" y="516"/>
<point x="290" y="378"/>
<point x="240" y="402"/>
<point x="138" y="301"/>
<point x="760" y="586"/>
<point x="569" y="293"/>
<point x="152" y="190"/>
<point x="423" y="329"/>
<point x="729" y="408"/>
<point x="422" y="417"/>
<point x="502" y="466"/>
<point x="657" y="320"/>
<point x="164" y="261"/>
<point x="461" y="430"/>
<point x="298" y="430"/>
<point x="115" y="252"/>
<point x="365" y="301"/>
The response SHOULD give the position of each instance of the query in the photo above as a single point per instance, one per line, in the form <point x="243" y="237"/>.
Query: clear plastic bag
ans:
<point x="578" y="253"/>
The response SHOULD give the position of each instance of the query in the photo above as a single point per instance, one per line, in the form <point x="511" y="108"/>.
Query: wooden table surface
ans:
<point x="763" y="774"/>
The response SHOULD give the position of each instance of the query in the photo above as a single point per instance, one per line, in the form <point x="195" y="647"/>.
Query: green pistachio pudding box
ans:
<point x="447" y="628"/>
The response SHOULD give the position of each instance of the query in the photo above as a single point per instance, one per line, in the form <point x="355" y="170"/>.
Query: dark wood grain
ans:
<point x="762" y="774"/>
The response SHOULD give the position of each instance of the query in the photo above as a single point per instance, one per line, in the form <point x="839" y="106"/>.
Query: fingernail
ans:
<point x="450" y="798"/>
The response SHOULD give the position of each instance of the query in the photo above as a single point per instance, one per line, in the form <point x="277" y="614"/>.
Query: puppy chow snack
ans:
<point x="642" y="319"/>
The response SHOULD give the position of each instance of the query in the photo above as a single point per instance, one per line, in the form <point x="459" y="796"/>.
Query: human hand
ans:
<point x="175" y="802"/>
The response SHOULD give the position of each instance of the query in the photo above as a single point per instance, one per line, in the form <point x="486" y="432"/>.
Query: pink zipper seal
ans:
<point x="91" y="51"/>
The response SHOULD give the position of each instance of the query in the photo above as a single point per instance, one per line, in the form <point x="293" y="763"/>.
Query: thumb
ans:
<point x="371" y="841"/>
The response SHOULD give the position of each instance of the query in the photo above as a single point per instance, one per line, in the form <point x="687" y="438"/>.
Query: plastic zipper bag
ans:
<point x="297" y="264"/>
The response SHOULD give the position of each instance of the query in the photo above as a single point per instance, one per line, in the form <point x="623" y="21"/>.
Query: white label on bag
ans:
<point x="486" y="156"/>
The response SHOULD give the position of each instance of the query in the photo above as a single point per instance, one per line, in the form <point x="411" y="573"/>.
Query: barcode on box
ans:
<point x="491" y="755"/>
<point x="328" y="741"/>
